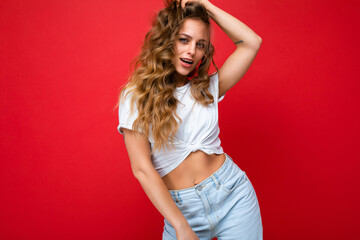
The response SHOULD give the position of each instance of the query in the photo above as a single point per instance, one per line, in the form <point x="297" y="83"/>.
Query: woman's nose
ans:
<point x="191" y="48"/>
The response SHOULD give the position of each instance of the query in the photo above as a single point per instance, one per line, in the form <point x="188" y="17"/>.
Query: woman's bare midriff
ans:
<point x="195" y="168"/>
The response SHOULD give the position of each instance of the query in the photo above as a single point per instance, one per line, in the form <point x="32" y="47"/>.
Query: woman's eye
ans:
<point x="201" y="45"/>
<point x="182" y="39"/>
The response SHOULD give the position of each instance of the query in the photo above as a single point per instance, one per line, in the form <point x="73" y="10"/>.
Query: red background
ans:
<point x="292" y="122"/>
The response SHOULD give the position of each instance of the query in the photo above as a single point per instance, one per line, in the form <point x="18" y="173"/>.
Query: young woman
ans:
<point x="168" y="114"/>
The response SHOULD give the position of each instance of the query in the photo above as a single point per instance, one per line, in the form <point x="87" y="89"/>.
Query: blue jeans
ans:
<point x="224" y="206"/>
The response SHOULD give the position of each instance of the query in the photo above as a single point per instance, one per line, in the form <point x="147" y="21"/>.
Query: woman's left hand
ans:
<point x="183" y="2"/>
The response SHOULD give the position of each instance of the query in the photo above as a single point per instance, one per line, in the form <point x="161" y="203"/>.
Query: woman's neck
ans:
<point x="180" y="80"/>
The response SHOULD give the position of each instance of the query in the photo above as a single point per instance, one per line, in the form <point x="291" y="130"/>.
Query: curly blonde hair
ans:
<point x="152" y="83"/>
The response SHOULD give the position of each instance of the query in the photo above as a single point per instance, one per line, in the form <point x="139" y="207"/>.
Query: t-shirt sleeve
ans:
<point x="214" y="85"/>
<point x="126" y="118"/>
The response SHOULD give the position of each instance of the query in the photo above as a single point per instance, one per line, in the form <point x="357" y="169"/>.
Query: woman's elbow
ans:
<point x="253" y="45"/>
<point x="258" y="42"/>
<point x="140" y="172"/>
<point x="137" y="172"/>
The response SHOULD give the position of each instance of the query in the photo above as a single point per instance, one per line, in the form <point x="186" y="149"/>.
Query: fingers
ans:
<point x="183" y="2"/>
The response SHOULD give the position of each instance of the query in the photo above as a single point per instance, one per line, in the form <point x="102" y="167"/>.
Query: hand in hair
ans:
<point x="183" y="2"/>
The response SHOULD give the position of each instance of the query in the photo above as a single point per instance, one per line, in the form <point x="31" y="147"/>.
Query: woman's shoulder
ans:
<point x="127" y="104"/>
<point x="214" y="80"/>
<point x="213" y="75"/>
<point x="126" y="94"/>
<point x="214" y="86"/>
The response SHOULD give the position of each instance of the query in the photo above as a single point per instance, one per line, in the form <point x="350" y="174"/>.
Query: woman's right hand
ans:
<point x="183" y="2"/>
<point x="186" y="233"/>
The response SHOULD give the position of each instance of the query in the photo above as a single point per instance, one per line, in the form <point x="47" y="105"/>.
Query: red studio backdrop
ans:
<point x="292" y="122"/>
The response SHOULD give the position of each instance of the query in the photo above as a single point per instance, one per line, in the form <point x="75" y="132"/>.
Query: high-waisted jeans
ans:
<point x="224" y="205"/>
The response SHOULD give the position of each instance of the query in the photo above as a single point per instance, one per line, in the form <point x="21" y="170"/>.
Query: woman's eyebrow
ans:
<point x="200" y="40"/>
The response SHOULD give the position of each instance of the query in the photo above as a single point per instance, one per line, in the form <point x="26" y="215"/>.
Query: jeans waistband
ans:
<point x="213" y="180"/>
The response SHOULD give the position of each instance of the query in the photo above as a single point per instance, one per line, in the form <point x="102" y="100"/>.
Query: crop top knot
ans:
<point x="199" y="129"/>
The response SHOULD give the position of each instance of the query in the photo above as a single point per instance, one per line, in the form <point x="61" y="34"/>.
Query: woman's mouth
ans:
<point x="186" y="62"/>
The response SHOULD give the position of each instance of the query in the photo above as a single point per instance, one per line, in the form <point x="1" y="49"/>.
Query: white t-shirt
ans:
<point x="199" y="129"/>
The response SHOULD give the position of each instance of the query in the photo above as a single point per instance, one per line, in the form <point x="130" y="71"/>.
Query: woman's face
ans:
<point x="190" y="45"/>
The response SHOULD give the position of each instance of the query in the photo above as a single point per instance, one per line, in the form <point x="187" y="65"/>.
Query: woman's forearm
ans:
<point x="233" y="28"/>
<point x="159" y="195"/>
<point x="139" y="150"/>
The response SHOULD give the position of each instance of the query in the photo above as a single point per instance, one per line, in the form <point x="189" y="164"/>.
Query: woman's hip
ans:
<point x="226" y="195"/>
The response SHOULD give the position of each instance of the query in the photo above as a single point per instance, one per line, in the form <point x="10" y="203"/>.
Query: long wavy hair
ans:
<point x="152" y="82"/>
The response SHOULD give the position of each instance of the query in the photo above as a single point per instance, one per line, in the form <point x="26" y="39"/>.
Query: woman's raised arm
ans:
<point x="248" y="44"/>
<point x="138" y="148"/>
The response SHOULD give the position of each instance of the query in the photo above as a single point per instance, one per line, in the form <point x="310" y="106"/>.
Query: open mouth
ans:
<point x="186" y="61"/>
